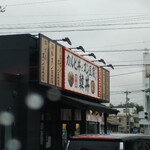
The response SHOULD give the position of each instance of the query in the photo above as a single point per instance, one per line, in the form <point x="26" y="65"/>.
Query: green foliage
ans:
<point x="131" y="104"/>
<point x="139" y="108"/>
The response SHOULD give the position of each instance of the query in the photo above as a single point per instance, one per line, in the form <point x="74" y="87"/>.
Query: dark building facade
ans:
<point x="49" y="127"/>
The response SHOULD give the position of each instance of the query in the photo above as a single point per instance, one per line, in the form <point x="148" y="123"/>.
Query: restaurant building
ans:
<point x="70" y="89"/>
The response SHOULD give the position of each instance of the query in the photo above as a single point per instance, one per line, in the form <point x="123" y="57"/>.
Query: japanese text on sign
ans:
<point x="80" y="75"/>
<point x="44" y="60"/>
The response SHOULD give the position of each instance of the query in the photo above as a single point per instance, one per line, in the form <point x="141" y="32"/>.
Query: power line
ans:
<point x="33" y="3"/>
<point x="122" y="50"/>
<point x="76" y="30"/>
<point x="93" y="21"/>
<point x="128" y="43"/>
<point x="74" y="24"/>
<point x="127" y="85"/>
<point x="137" y="16"/>
<point x="99" y="29"/>
<point x="126" y="73"/>
<point x="130" y="65"/>
<point x="131" y="91"/>
<point x="17" y="26"/>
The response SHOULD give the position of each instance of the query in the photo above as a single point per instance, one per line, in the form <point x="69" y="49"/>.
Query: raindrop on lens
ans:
<point x="13" y="144"/>
<point x="53" y="94"/>
<point x="34" y="101"/>
<point x="6" y="118"/>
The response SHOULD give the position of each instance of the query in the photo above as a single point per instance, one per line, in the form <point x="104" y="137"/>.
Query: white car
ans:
<point x="109" y="142"/>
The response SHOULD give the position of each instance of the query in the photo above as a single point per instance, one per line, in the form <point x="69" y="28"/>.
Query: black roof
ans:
<point x="90" y="105"/>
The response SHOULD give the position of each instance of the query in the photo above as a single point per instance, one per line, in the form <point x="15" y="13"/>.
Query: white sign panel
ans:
<point x="81" y="76"/>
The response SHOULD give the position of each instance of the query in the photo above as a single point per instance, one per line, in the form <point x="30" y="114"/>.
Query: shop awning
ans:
<point x="81" y="103"/>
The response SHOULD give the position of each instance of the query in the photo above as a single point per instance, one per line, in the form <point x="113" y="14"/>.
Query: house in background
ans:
<point x="127" y="119"/>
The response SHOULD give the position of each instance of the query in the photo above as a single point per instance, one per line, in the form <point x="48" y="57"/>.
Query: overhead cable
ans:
<point x="33" y="3"/>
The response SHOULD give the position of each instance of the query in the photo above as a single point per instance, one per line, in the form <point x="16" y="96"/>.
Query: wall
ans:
<point x="16" y="57"/>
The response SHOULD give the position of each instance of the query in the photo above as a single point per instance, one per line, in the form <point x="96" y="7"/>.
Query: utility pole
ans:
<point x="148" y="100"/>
<point x="127" y="120"/>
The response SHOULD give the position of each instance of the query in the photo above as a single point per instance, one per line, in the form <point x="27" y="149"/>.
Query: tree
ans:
<point x="139" y="108"/>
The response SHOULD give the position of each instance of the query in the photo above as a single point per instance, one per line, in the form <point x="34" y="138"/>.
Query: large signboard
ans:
<point x="68" y="70"/>
<point x="50" y="62"/>
<point x="81" y="76"/>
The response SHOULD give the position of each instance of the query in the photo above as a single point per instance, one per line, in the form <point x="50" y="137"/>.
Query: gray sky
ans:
<point x="97" y="25"/>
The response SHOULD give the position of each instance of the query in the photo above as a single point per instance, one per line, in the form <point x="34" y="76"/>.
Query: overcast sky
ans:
<point x="97" y="25"/>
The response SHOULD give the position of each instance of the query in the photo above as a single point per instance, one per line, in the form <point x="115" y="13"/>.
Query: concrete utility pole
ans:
<point x="127" y="120"/>
<point x="148" y="100"/>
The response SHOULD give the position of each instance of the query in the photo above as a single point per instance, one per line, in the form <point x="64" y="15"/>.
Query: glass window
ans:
<point x="66" y="114"/>
<point x="64" y="135"/>
<point x="77" y="114"/>
<point x="126" y="110"/>
<point x="77" y="129"/>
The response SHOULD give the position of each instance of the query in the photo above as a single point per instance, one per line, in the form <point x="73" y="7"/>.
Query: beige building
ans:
<point x="127" y="119"/>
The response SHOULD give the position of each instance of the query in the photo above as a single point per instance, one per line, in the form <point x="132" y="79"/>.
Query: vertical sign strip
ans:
<point x="59" y="66"/>
<point x="100" y="82"/>
<point x="44" y="60"/>
<point x="107" y="86"/>
<point x="63" y="67"/>
<point x="104" y="84"/>
<point x="52" y="54"/>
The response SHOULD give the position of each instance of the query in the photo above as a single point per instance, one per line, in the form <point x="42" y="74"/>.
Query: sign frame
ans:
<point x="77" y="86"/>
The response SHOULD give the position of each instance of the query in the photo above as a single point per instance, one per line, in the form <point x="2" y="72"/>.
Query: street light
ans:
<point x="100" y="60"/>
<point x="79" y="47"/>
<point x="110" y="65"/>
<point x="66" y="39"/>
<point x="2" y="9"/>
<point x="91" y="54"/>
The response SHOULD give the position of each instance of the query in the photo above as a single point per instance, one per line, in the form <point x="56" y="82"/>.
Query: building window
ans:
<point x="77" y="114"/>
<point x="66" y="114"/>
<point x="128" y="110"/>
<point x="119" y="119"/>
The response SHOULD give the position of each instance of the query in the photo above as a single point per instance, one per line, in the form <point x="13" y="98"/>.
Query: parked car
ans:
<point x="109" y="142"/>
